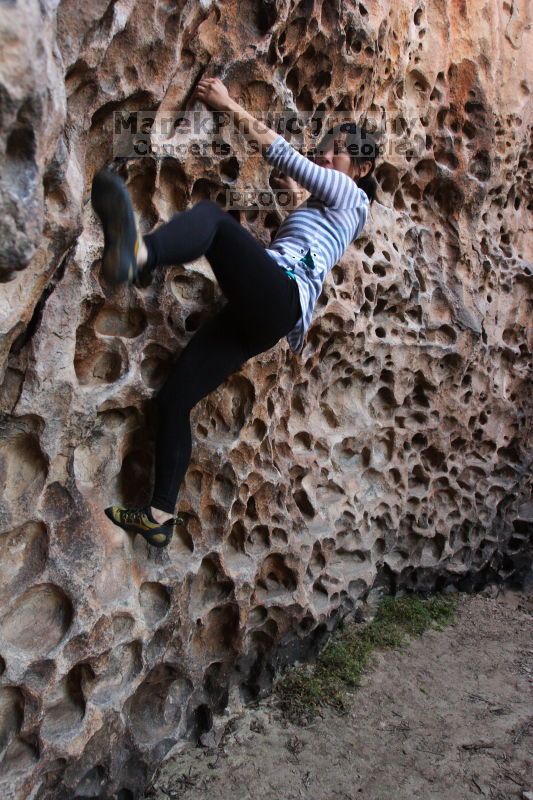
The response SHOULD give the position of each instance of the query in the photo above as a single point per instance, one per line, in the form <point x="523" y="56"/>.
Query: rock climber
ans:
<point x="271" y="292"/>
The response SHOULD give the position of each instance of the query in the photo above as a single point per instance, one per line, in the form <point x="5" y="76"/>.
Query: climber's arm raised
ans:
<point x="213" y="93"/>
<point x="333" y="187"/>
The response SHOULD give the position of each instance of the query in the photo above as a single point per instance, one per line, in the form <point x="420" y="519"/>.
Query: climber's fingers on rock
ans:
<point x="200" y="93"/>
<point x="213" y="92"/>
<point x="206" y="83"/>
<point x="202" y="89"/>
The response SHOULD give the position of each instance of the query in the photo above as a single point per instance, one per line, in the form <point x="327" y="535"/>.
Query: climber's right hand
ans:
<point x="213" y="93"/>
<point x="283" y="181"/>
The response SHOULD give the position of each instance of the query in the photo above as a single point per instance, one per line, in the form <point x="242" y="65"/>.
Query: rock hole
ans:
<point x="92" y="783"/>
<point x="19" y="758"/>
<point x="211" y="586"/>
<point x="215" y="685"/>
<point x="11" y="714"/>
<point x="23" y="468"/>
<point x="258" y="539"/>
<point x="20" y="168"/>
<point x="115" y="672"/>
<point x="128" y="323"/>
<point x="259" y="429"/>
<point x="304" y="504"/>
<point x="154" y="599"/>
<point x="98" y="361"/>
<point x="155" y="709"/>
<point x="237" y="537"/>
<point x="38" y="620"/>
<point x="125" y="794"/>
<point x="155" y="365"/>
<point x="23" y="554"/>
<point x="200" y="721"/>
<point x="229" y="168"/>
<point x="276" y="575"/>
<point x="218" y="636"/>
<point x="64" y="716"/>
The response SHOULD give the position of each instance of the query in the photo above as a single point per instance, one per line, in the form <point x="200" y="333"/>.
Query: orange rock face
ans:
<point x="395" y="451"/>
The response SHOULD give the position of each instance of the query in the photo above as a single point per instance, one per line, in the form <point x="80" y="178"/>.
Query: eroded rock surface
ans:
<point x="396" y="450"/>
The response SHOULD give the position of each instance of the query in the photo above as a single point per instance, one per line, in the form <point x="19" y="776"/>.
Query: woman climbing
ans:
<point x="271" y="292"/>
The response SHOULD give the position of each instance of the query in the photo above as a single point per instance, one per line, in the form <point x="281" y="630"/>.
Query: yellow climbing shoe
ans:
<point x="140" y="520"/>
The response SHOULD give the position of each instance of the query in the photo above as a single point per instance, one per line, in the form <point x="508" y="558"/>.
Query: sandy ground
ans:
<point x="448" y="716"/>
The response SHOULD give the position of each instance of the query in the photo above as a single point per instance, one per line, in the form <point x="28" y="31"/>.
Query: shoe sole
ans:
<point x="132" y="529"/>
<point x="112" y="203"/>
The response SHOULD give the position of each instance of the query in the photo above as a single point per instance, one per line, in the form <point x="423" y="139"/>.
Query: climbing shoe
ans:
<point x="140" y="520"/>
<point x="112" y="203"/>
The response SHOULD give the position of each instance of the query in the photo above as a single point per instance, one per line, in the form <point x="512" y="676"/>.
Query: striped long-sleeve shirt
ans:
<point x="313" y="237"/>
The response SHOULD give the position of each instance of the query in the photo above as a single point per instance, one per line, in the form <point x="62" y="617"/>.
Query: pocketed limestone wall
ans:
<point x="395" y="451"/>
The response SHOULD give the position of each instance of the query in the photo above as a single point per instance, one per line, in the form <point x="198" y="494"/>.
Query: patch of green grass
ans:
<point x="303" y="690"/>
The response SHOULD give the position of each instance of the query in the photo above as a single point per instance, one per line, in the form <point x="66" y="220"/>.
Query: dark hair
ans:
<point x="360" y="145"/>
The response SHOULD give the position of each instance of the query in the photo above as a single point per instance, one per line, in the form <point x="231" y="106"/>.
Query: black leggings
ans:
<point x="263" y="306"/>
